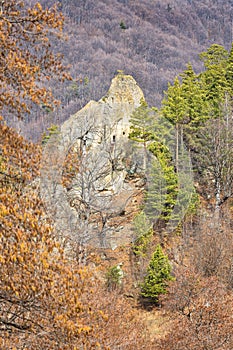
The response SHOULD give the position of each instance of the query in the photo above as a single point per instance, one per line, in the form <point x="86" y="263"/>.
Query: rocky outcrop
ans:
<point x="108" y="117"/>
<point x="99" y="133"/>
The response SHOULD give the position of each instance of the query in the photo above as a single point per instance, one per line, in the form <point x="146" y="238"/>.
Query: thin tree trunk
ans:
<point x="177" y="148"/>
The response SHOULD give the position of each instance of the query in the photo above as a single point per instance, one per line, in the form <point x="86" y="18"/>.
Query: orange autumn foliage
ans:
<point x="47" y="301"/>
<point x="27" y="59"/>
<point x="39" y="288"/>
<point x="200" y="312"/>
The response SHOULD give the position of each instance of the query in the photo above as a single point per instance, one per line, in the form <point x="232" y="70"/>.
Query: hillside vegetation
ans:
<point x="171" y="288"/>
<point x="150" y="40"/>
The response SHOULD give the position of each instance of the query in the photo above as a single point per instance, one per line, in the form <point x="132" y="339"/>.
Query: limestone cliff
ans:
<point x="110" y="114"/>
<point x="99" y="192"/>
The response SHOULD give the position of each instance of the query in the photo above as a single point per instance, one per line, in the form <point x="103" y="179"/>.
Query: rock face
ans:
<point x="99" y="134"/>
<point x="109" y="117"/>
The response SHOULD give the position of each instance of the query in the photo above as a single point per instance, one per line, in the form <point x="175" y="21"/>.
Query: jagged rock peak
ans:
<point x="124" y="89"/>
<point x="111" y="111"/>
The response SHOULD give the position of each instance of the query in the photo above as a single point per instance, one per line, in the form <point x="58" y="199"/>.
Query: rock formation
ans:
<point x="99" y="191"/>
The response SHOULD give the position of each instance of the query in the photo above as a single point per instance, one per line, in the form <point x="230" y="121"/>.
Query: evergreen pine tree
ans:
<point x="175" y="110"/>
<point x="201" y="106"/>
<point x="141" y="129"/>
<point x="229" y="69"/>
<point x="195" y="97"/>
<point x="157" y="277"/>
<point x="174" y="106"/>
<point x="162" y="188"/>
<point x="141" y="122"/>
<point x="214" y="79"/>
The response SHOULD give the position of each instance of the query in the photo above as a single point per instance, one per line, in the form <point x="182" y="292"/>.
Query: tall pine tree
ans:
<point x="157" y="276"/>
<point x="142" y="126"/>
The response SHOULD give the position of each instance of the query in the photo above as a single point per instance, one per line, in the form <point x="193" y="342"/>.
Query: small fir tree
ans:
<point x="123" y="25"/>
<point x="229" y="70"/>
<point x="52" y="130"/>
<point x="144" y="231"/>
<point x="141" y="122"/>
<point x="162" y="189"/>
<point x="114" y="277"/>
<point x="157" y="277"/>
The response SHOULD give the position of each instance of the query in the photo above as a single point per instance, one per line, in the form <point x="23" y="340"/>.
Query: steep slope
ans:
<point x="152" y="41"/>
<point x="86" y="208"/>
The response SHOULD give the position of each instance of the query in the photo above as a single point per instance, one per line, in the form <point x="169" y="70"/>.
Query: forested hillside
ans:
<point x="170" y="286"/>
<point x="150" y="40"/>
